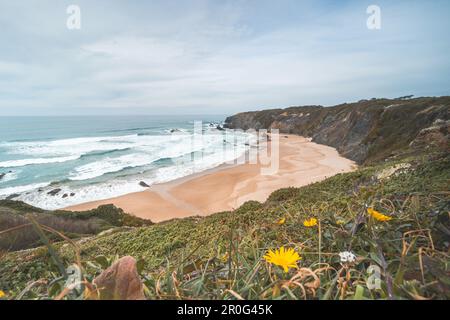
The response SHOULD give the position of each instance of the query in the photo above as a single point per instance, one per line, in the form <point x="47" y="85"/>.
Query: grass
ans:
<point x="73" y="224"/>
<point x="221" y="256"/>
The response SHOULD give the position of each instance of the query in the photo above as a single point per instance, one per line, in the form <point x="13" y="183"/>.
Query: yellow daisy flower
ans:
<point x="2" y="294"/>
<point x="377" y="215"/>
<point x="283" y="258"/>
<point x="281" y="221"/>
<point x="225" y="257"/>
<point x="310" y="222"/>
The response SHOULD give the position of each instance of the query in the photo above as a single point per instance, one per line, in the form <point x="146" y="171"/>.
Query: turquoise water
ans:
<point x="98" y="157"/>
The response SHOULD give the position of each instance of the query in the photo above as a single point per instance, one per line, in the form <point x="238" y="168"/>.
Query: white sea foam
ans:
<point x="140" y="150"/>
<point x="9" y="176"/>
<point x="77" y="195"/>
<point x="26" y="162"/>
<point x="20" y="189"/>
<point x="77" y="146"/>
<point x="109" y="165"/>
<point x="173" y="147"/>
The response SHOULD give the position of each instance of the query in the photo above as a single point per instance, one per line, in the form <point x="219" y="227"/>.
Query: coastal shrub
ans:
<point x="72" y="224"/>
<point x="109" y="213"/>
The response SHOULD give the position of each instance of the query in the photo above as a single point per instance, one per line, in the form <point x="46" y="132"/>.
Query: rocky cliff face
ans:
<point x="365" y="131"/>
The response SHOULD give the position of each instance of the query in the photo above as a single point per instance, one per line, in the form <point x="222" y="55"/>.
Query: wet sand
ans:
<point x="301" y="162"/>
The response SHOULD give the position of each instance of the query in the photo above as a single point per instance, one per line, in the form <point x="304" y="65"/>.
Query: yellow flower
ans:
<point x="377" y="215"/>
<point x="310" y="222"/>
<point x="225" y="257"/>
<point x="281" y="221"/>
<point x="2" y="294"/>
<point x="283" y="258"/>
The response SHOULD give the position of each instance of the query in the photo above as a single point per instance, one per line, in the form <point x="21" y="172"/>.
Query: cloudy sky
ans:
<point x="216" y="57"/>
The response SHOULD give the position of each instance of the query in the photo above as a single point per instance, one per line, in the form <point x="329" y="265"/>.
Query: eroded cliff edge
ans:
<point x="365" y="131"/>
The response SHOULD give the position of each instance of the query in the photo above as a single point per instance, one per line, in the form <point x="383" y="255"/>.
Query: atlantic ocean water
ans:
<point x="55" y="162"/>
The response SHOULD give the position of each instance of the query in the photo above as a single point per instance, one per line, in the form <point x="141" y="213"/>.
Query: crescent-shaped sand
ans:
<point x="301" y="162"/>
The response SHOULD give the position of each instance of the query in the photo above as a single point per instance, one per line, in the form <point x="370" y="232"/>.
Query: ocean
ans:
<point x="55" y="162"/>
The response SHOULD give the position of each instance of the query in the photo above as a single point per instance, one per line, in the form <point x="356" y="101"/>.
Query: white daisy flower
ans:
<point x="347" y="256"/>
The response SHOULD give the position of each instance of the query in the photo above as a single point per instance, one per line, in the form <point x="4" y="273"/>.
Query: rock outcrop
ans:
<point x="143" y="184"/>
<point x="54" y="192"/>
<point x="438" y="135"/>
<point x="365" y="131"/>
<point x="120" y="281"/>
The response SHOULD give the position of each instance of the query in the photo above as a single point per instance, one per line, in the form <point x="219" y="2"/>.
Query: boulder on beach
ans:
<point x="143" y="184"/>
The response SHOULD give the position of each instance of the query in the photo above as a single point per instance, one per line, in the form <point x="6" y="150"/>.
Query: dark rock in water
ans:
<point x="121" y="281"/>
<point x="12" y="196"/>
<point x="40" y="190"/>
<point x="220" y="128"/>
<point x="72" y="194"/>
<point x="143" y="184"/>
<point x="54" y="192"/>
<point x="65" y="195"/>
<point x="3" y="174"/>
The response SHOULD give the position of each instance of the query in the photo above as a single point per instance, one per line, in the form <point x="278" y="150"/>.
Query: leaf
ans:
<point x="359" y="294"/>
<point x="375" y="258"/>
<point x="45" y="240"/>
<point x="140" y="265"/>
<point x="102" y="261"/>
<point x="54" y="289"/>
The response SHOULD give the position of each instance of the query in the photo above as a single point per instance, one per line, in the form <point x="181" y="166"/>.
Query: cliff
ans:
<point x="366" y="131"/>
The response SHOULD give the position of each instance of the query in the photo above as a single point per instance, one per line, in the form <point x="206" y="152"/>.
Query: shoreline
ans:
<point x="302" y="162"/>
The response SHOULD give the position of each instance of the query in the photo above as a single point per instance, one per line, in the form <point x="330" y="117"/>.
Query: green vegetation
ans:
<point x="13" y="215"/>
<point x="221" y="256"/>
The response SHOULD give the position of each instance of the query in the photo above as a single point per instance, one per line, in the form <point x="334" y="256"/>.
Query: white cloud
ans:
<point x="203" y="56"/>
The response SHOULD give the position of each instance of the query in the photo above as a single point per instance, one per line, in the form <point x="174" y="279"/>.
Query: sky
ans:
<point x="216" y="57"/>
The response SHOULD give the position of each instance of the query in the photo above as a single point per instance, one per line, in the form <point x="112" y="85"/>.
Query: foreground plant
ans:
<point x="312" y="222"/>
<point x="283" y="258"/>
<point x="378" y="216"/>
<point x="347" y="256"/>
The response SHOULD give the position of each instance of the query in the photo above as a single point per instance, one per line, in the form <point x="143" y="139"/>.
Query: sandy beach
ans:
<point x="301" y="162"/>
